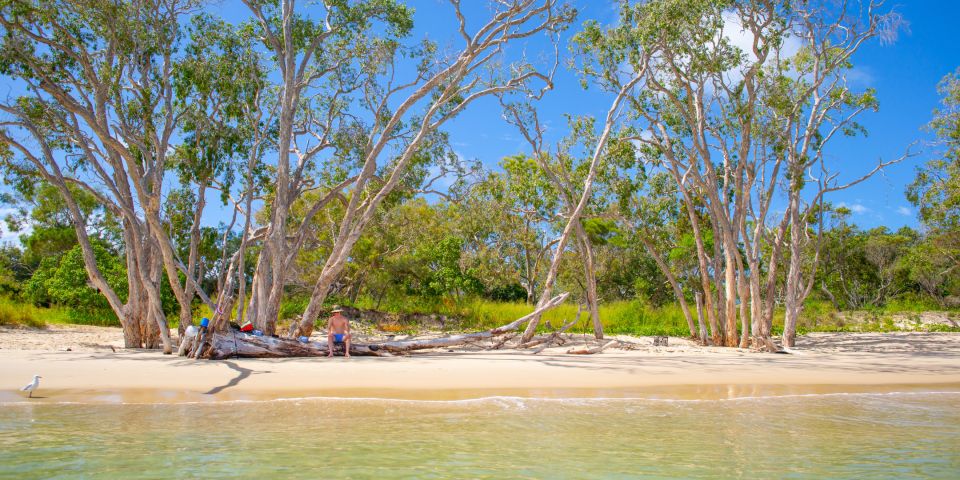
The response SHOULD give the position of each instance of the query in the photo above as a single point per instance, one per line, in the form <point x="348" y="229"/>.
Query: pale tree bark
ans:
<point x="88" y="99"/>
<point x="460" y="78"/>
<point x="524" y="117"/>
<point x="137" y="318"/>
<point x="590" y="276"/>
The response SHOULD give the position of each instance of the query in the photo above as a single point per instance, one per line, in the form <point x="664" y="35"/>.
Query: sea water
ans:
<point x="861" y="435"/>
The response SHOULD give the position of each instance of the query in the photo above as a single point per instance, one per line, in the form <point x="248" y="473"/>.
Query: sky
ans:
<point x="904" y="73"/>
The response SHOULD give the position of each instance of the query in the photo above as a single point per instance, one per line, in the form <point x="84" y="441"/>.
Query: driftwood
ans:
<point x="591" y="350"/>
<point x="239" y="344"/>
<point x="221" y="345"/>
<point x="503" y="341"/>
<point x="548" y="340"/>
<point x="554" y="335"/>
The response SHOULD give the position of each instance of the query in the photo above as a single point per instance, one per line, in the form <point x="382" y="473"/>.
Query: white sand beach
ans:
<point x="93" y="371"/>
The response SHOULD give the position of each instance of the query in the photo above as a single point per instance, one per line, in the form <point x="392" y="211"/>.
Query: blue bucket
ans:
<point x="205" y="322"/>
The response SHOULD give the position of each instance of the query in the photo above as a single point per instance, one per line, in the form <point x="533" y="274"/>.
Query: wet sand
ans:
<point x="822" y="363"/>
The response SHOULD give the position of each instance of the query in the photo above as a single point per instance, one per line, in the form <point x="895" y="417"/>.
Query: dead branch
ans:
<point x="591" y="350"/>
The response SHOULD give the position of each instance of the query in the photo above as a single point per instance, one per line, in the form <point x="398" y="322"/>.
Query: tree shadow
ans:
<point x="243" y="374"/>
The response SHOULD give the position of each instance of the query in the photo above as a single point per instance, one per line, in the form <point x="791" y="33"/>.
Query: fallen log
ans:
<point x="222" y="345"/>
<point x="549" y="339"/>
<point x="591" y="350"/>
<point x="456" y="340"/>
<point x="503" y="341"/>
<point x="553" y="336"/>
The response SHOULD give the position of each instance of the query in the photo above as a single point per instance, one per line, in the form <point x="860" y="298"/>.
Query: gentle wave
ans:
<point x="502" y="400"/>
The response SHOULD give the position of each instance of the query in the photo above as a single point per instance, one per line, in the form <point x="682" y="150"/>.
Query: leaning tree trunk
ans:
<point x="677" y="290"/>
<point x="221" y="345"/>
<point x="704" y="337"/>
<point x="589" y="271"/>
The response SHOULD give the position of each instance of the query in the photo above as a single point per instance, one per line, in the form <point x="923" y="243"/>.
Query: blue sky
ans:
<point x="905" y="75"/>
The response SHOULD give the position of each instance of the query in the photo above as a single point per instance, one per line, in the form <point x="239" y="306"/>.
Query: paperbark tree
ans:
<point x="564" y="173"/>
<point x="523" y="115"/>
<point x="822" y="105"/>
<point x="442" y="88"/>
<point x="98" y="76"/>
<point x="709" y="116"/>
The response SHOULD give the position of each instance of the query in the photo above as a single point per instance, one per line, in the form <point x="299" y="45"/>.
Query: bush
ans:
<point x="507" y="293"/>
<point x="20" y="315"/>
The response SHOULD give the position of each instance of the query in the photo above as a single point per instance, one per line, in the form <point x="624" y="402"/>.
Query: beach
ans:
<point x="840" y="406"/>
<point x="96" y="369"/>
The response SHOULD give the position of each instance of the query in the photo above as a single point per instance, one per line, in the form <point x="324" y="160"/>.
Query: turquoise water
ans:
<point x="893" y="435"/>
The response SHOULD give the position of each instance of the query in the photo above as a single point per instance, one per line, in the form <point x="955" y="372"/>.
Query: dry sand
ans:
<point x="92" y="371"/>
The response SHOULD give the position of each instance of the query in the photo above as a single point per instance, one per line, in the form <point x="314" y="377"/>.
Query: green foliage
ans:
<point x="13" y="270"/>
<point x="445" y="273"/>
<point x="15" y="314"/>
<point x="64" y="282"/>
<point x="936" y="189"/>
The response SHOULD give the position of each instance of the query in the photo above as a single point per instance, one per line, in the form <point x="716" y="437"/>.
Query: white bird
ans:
<point x="30" y="387"/>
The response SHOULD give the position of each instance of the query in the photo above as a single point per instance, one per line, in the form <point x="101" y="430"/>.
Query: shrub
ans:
<point x="20" y="315"/>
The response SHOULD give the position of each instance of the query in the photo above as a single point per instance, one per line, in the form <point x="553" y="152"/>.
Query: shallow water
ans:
<point x="867" y="435"/>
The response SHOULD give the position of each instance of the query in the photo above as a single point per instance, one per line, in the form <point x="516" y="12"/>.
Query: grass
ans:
<point x="621" y="317"/>
<point x="471" y="314"/>
<point x="99" y="318"/>
<point x="639" y="318"/>
<point x="16" y="314"/>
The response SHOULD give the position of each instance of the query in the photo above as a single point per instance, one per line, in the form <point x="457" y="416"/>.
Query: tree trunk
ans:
<point x="589" y="272"/>
<point x="677" y="291"/>
<point x="792" y="296"/>
<point x="744" y="316"/>
<point x="704" y="339"/>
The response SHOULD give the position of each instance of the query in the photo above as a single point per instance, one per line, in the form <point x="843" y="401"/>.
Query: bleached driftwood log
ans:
<point x="221" y="345"/>
<point x="545" y="341"/>
<point x="591" y="350"/>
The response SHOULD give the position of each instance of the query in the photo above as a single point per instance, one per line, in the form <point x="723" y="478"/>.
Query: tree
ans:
<point x="99" y="110"/>
<point x="936" y="193"/>
<point x="323" y="144"/>
<point x="936" y="189"/>
<point x="731" y="126"/>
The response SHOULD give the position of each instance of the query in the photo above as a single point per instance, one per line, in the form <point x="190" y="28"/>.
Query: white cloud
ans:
<point x="860" y="77"/>
<point x="742" y="38"/>
<point x="905" y="211"/>
<point x="857" y="208"/>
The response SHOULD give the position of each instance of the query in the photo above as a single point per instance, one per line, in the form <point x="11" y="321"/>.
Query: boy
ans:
<point x="338" y="330"/>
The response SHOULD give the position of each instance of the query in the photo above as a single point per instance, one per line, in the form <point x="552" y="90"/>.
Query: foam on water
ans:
<point x="507" y="400"/>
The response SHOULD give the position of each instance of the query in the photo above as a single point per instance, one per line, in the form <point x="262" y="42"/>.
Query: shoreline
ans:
<point x="822" y="364"/>
<point x="675" y="393"/>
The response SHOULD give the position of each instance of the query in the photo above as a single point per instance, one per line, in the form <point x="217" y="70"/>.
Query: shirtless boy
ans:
<point x="338" y="329"/>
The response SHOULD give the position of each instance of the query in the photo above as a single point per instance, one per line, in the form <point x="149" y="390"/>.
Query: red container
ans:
<point x="246" y="327"/>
